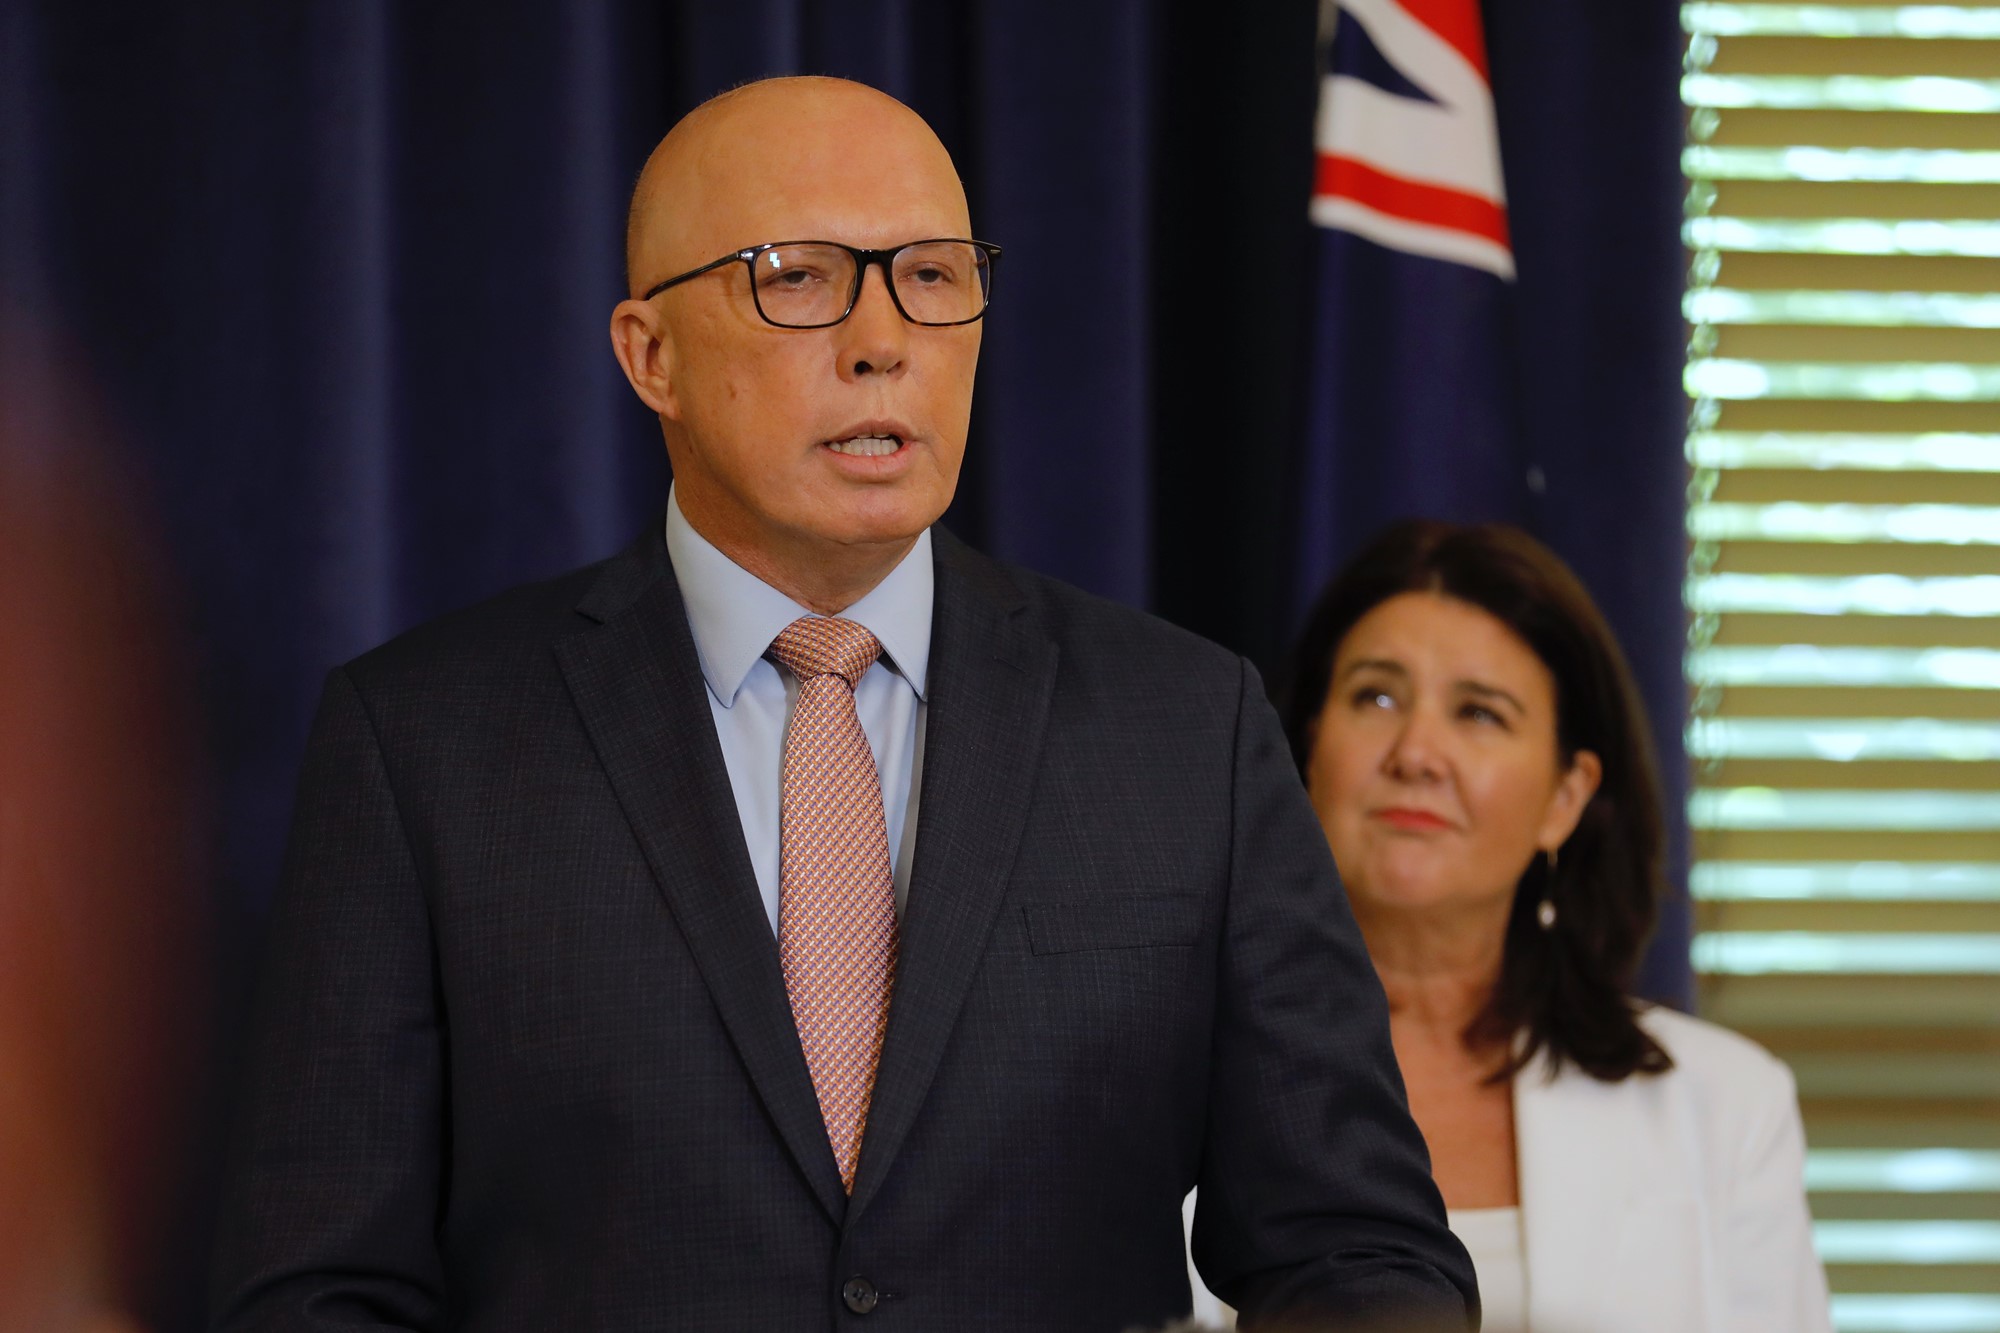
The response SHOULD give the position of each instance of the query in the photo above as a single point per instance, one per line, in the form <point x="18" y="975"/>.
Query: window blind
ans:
<point x="1843" y="226"/>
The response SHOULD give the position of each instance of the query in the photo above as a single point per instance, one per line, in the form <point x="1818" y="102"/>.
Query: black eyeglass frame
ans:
<point x="863" y="259"/>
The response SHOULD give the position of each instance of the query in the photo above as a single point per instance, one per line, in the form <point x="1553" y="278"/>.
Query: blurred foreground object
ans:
<point x="101" y="952"/>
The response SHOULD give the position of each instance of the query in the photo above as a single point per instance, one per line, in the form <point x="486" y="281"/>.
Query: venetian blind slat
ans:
<point x="1844" y="589"/>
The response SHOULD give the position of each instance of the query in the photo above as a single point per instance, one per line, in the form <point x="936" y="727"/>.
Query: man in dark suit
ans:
<point x="800" y="921"/>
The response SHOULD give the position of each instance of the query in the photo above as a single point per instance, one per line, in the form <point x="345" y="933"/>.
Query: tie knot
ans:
<point x="819" y="646"/>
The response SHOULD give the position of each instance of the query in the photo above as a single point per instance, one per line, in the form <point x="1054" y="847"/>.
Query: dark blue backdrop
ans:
<point x="341" y="270"/>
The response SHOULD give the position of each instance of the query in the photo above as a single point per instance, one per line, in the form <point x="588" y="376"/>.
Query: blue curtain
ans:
<point x="1588" y="98"/>
<point x="340" y="270"/>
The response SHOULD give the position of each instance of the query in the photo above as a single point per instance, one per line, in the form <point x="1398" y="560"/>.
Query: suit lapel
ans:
<point x="1575" y="1152"/>
<point x="637" y="684"/>
<point x="991" y="677"/>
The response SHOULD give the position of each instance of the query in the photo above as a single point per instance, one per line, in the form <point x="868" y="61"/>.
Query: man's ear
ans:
<point x="640" y="341"/>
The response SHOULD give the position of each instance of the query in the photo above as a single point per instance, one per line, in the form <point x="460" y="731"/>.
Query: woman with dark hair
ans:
<point x="1474" y="746"/>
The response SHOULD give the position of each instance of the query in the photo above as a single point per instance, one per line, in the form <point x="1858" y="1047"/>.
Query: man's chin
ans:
<point x="876" y="520"/>
<point x="873" y="538"/>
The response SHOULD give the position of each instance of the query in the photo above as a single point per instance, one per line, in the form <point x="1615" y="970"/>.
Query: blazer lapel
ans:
<point x="638" y="686"/>
<point x="992" y="673"/>
<point x="1575" y="1155"/>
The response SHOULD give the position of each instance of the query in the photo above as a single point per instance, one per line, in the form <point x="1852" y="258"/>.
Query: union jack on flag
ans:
<point x="1409" y="156"/>
<point x="1411" y="404"/>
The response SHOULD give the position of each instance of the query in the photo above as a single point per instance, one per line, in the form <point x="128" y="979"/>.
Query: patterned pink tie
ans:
<point x="837" y="936"/>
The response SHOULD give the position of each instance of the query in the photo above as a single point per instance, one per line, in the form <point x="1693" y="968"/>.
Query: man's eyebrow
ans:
<point x="1388" y="664"/>
<point x="1485" y="691"/>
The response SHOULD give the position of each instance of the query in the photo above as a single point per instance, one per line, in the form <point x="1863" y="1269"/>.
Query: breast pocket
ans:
<point x="1138" y="921"/>
<point x="1118" y="994"/>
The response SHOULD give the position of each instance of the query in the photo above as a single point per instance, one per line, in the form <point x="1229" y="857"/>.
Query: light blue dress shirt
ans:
<point x="734" y="616"/>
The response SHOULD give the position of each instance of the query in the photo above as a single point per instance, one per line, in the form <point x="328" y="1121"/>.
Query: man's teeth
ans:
<point x="867" y="446"/>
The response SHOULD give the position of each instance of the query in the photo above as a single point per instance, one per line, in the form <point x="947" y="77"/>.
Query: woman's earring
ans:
<point x="1545" y="911"/>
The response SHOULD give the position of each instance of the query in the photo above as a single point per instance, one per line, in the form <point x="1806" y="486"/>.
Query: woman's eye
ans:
<point x="1370" y="697"/>
<point x="1481" y="713"/>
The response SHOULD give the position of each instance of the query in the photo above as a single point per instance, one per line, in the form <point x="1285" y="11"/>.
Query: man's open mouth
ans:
<point x="867" y="446"/>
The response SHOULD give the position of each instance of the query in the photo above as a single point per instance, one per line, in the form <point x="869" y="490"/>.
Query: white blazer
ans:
<point x="1669" y="1203"/>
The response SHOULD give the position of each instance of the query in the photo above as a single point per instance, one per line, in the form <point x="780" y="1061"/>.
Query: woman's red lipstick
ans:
<point x="1415" y="821"/>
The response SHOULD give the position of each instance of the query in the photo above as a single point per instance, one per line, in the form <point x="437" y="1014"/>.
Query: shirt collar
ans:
<point x="734" y="614"/>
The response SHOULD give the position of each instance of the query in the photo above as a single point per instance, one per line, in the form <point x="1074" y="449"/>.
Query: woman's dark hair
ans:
<point x="1564" y="988"/>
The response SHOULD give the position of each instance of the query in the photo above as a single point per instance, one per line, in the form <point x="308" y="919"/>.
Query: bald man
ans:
<point x="800" y="921"/>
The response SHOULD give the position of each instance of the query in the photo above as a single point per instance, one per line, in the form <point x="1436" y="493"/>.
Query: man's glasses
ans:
<point x="814" y="284"/>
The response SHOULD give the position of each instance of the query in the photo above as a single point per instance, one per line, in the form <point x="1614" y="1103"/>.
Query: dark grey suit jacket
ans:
<point x="524" y="1059"/>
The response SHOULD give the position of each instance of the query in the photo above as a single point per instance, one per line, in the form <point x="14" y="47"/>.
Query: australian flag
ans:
<point x="1496" y="319"/>
<point x="1412" y="408"/>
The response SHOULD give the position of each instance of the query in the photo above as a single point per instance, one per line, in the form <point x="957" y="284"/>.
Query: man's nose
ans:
<point x="874" y="338"/>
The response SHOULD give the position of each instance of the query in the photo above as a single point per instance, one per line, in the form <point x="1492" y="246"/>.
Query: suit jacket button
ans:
<point x="859" y="1294"/>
